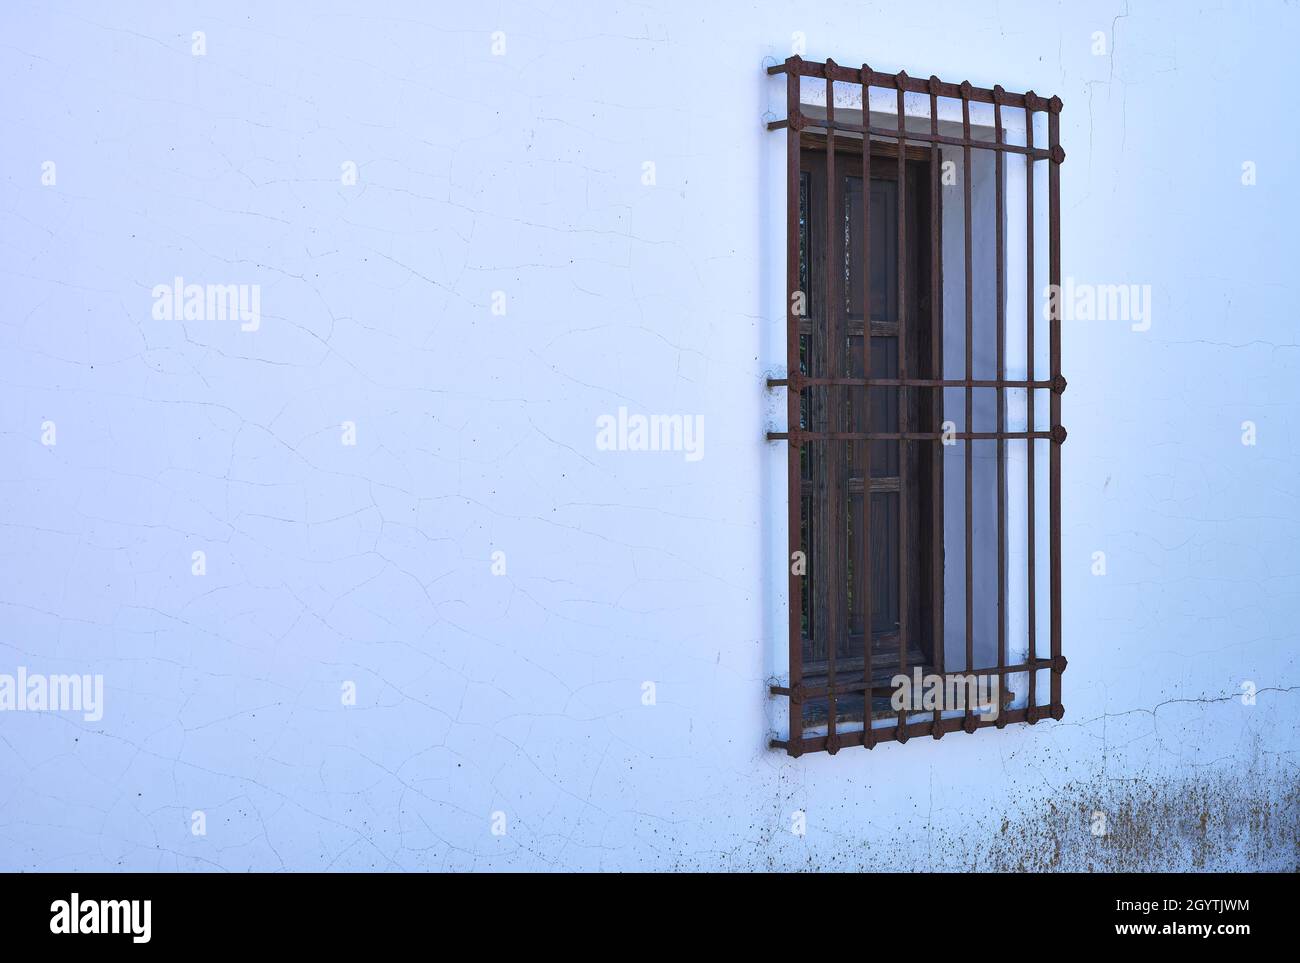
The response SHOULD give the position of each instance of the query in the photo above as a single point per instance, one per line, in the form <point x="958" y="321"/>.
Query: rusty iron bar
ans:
<point x="937" y="633"/>
<point x="904" y="409"/>
<point x="864" y="562"/>
<point x="796" y="66"/>
<point x="1032" y="707"/>
<point x="897" y="734"/>
<point x="967" y="450"/>
<point x="793" y="405"/>
<point x="1054" y="337"/>
<point x="812" y="692"/>
<point x="916" y="382"/>
<point x="914" y="435"/>
<point x="816" y="125"/>
<point x="998" y="94"/>
<point x="829" y="628"/>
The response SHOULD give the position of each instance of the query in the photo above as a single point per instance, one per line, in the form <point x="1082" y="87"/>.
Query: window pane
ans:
<point x="884" y="249"/>
<point x="805" y="180"/>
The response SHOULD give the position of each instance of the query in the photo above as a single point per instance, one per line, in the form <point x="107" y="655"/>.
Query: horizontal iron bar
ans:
<point x="854" y="737"/>
<point x="816" y="692"/>
<point x="818" y="123"/>
<point x="914" y="85"/>
<point x="910" y="383"/>
<point x="909" y="435"/>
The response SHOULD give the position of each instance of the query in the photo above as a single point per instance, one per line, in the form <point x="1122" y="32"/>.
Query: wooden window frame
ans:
<point x="833" y="479"/>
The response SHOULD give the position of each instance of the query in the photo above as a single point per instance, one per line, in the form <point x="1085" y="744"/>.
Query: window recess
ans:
<point x="923" y="387"/>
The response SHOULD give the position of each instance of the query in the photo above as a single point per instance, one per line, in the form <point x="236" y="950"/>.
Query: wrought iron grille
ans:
<point x="821" y="433"/>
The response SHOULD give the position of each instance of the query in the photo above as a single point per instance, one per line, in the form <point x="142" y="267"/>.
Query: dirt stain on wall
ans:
<point x="1225" y="821"/>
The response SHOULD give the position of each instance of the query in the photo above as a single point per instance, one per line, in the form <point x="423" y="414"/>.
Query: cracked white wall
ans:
<point x="372" y="564"/>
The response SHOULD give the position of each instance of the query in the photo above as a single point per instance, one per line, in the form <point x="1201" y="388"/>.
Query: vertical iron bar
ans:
<point x="1031" y="707"/>
<point x="970" y="374"/>
<point x="792" y="404"/>
<point x="1054" y="335"/>
<point x="1001" y="399"/>
<point x="864" y="563"/>
<point x="831" y="449"/>
<point x="905" y="425"/>
<point x="936" y="408"/>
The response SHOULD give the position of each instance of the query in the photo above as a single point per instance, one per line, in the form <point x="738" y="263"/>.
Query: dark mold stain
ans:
<point x="1206" y="822"/>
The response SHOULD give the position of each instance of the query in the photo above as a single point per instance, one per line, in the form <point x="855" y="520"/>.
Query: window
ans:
<point x="852" y="574"/>
<point x="923" y="421"/>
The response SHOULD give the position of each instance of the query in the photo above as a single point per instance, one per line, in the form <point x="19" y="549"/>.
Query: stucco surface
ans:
<point x="515" y="701"/>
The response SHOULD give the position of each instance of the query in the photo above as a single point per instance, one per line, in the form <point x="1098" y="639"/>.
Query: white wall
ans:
<point x="372" y="564"/>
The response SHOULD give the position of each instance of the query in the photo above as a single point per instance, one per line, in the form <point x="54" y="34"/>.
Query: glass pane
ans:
<point x="804" y="182"/>
<point x="884" y="249"/>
